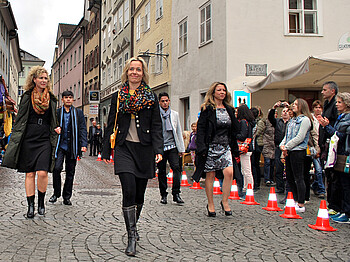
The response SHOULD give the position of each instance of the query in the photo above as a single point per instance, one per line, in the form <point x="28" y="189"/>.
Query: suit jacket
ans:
<point x="91" y="137"/>
<point x="177" y="131"/>
<point x="206" y="129"/>
<point x="78" y="130"/>
<point x="148" y="125"/>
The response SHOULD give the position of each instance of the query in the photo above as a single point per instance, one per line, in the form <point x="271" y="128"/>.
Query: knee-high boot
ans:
<point x="138" y="212"/>
<point x="130" y="223"/>
<point x="30" y="200"/>
<point x="41" y="204"/>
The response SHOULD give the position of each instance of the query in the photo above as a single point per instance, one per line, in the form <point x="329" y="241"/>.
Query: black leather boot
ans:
<point x="30" y="200"/>
<point x="130" y="222"/>
<point x="41" y="204"/>
<point x="138" y="212"/>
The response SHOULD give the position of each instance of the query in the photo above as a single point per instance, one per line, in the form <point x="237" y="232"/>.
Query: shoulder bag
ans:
<point x="342" y="164"/>
<point x="115" y="129"/>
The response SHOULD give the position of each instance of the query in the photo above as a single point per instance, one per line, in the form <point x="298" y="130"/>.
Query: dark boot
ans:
<point x="41" y="205"/>
<point x="30" y="200"/>
<point x="138" y="212"/>
<point x="130" y="222"/>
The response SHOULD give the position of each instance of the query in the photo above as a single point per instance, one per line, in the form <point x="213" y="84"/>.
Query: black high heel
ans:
<point x="227" y="213"/>
<point x="211" y="214"/>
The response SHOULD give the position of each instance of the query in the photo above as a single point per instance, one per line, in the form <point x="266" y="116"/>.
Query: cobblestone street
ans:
<point x="92" y="229"/>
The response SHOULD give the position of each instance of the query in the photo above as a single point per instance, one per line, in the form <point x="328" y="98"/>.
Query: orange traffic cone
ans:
<point x="111" y="159"/>
<point x="99" y="157"/>
<point x="322" y="222"/>
<point x="217" y="190"/>
<point x="234" y="191"/>
<point x="272" y="203"/>
<point x="249" y="197"/>
<point x="184" y="181"/>
<point x="289" y="211"/>
<point x="170" y="177"/>
<point x="196" y="185"/>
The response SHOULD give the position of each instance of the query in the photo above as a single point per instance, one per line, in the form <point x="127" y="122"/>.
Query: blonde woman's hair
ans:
<point x="35" y="72"/>
<point x="209" y="96"/>
<point x="145" y="77"/>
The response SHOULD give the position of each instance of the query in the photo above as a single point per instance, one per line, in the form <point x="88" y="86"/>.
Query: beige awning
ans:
<point x="312" y="72"/>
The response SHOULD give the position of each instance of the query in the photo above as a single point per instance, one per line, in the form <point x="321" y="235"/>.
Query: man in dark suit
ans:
<point x="71" y="142"/>
<point x="92" y="131"/>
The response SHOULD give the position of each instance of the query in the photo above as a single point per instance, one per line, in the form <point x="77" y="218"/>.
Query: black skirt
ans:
<point x="134" y="158"/>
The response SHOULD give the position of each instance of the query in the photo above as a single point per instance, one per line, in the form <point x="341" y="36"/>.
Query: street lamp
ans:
<point x="147" y="55"/>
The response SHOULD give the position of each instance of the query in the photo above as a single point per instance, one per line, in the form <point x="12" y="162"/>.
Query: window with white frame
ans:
<point x="126" y="12"/>
<point x="115" y="71"/>
<point x="302" y="16"/>
<point x="183" y="37"/>
<point x="104" y="78"/>
<point x="109" y="33"/>
<point x="159" y="61"/>
<point x="115" y="22"/>
<point x="138" y="27"/>
<point x="75" y="90"/>
<point x="78" y="89"/>
<point x="104" y="39"/>
<point x="109" y="74"/>
<point x="205" y="23"/>
<point x="120" y="66"/>
<point x="67" y="66"/>
<point x="159" y="9"/>
<point x="126" y="57"/>
<point x="79" y="54"/>
<point x="147" y="16"/>
<point x="120" y="19"/>
<point x="75" y="57"/>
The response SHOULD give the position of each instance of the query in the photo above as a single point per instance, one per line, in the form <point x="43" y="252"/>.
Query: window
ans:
<point x="104" y="78"/>
<point x="126" y="12"/>
<point x="120" y="66"/>
<point x="183" y="37"/>
<point x="104" y="39"/>
<point x="159" y="61"/>
<point x="67" y="66"/>
<point x="159" y="9"/>
<point x="115" y="71"/>
<point x="75" y="57"/>
<point x="302" y="17"/>
<point x="64" y="67"/>
<point x="78" y="89"/>
<point x="71" y="62"/>
<point x="109" y="76"/>
<point x="79" y="54"/>
<point x="138" y="27"/>
<point x="120" y="19"/>
<point x="126" y="57"/>
<point x="147" y="16"/>
<point x="75" y="90"/>
<point x="20" y="90"/>
<point x="115" y="22"/>
<point x="109" y="34"/>
<point x="205" y="24"/>
<point x="21" y="74"/>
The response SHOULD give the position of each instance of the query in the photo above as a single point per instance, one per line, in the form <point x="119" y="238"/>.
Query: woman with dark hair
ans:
<point x="138" y="144"/>
<point x="258" y="143"/>
<point x="34" y="137"/>
<point x="216" y="144"/>
<point x="246" y="124"/>
<point x="293" y="147"/>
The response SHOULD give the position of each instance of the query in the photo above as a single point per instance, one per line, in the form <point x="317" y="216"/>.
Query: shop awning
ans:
<point x="312" y="72"/>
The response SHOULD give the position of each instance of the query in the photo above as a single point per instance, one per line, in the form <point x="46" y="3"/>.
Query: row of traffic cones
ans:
<point x="99" y="158"/>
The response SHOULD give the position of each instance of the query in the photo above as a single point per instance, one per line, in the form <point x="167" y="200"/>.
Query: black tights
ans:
<point x="133" y="189"/>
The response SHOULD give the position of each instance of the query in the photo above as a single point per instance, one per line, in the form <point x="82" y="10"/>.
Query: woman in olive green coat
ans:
<point x="31" y="148"/>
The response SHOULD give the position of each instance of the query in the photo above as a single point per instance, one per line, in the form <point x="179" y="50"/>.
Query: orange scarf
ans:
<point x="40" y="101"/>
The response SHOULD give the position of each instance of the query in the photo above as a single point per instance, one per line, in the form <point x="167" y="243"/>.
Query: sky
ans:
<point x="37" y="22"/>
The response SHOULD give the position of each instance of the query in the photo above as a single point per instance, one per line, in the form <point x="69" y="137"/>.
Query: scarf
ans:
<point x="143" y="97"/>
<point x="166" y="118"/>
<point x="40" y="101"/>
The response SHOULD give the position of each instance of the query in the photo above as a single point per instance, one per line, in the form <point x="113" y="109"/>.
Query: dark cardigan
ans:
<point x="206" y="129"/>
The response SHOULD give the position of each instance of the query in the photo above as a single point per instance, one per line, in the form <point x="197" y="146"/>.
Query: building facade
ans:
<point x="28" y="61"/>
<point x="231" y="41"/>
<point x="67" y="68"/>
<point x="115" y="49"/>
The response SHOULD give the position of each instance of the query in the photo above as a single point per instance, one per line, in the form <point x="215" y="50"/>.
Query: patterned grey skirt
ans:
<point x="219" y="157"/>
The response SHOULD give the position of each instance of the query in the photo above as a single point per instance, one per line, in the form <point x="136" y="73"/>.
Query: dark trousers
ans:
<point x="280" y="184"/>
<point x="93" y="148"/>
<point x="133" y="189"/>
<point x="295" y="163"/>
<point x="307" y="167"/>
<point x="345" y="182"/>
<point x="70" y="171"/>
<point x="334" y="189"/>
<point x="256" y="166"/>
<point x="172" y="156"/>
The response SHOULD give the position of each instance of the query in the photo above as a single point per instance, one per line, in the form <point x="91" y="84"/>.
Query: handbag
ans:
<point x="342" y="164"/>
<point x="113" y="136"/>
<point x="244" y="146"/>
<point x="332" y="151"/>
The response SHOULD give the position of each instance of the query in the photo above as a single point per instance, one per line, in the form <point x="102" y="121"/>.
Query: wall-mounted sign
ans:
<point x="241" y="97"/>
<point x="255" y="69"/>
<point x="344" y="41"/>
<point x="93" y="110"/>
<point x="94" y="96"/>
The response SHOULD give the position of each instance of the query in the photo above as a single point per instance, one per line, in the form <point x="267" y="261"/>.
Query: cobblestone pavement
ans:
<point x="92" y="229"/>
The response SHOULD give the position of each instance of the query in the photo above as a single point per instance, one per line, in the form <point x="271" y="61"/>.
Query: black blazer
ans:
<point x="148" y="124"/>
<point x="206" y="129"/>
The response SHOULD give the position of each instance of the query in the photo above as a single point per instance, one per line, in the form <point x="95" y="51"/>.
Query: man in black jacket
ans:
<point x="71" y="142"/>
<point x="92" y="141"/>
<point x="280" y="125"/>
<point x="334" y="195"/>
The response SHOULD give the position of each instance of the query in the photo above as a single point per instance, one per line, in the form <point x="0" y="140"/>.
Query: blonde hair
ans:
<point x="35" y="72"/>
<point x="209" y="96"/>
<point x="145" y="77"/>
